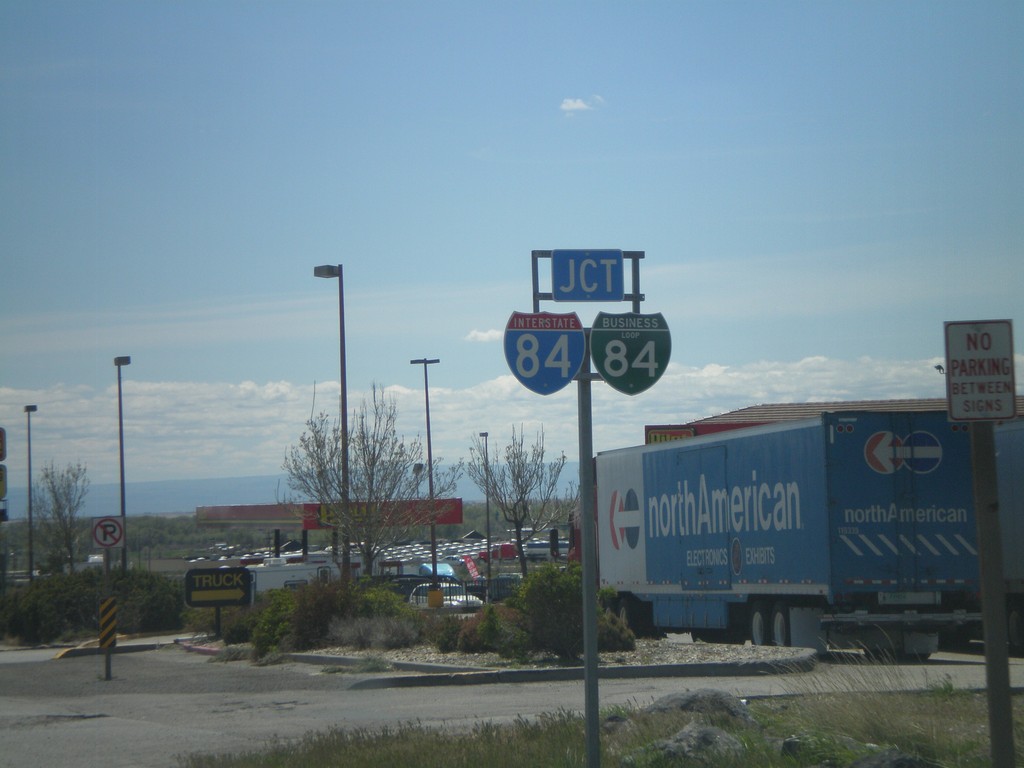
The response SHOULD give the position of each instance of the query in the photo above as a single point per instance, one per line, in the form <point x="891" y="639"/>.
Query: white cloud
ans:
<point x="485" y="336"/>
<point x="176" y="430"/>
<point x="571" y="106"/>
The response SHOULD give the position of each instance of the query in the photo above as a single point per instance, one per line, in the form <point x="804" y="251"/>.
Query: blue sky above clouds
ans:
<point x="817" y="187"/>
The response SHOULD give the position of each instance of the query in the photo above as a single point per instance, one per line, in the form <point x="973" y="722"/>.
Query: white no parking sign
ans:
<point x="107" y="532"/>
<point x="980" y="382"/>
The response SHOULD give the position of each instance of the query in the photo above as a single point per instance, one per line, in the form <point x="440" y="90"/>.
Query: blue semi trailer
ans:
<point x="854" y="529"/>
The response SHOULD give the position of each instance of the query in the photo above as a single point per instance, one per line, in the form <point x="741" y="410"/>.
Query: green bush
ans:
<point x="147" y="602"/>
<point x="273" y="624"/>
<point x="551" y="598"/>
<point x="64" y="606"/>
<point x="496" y="628"/>
<point x="315" y="605"/>
<point x="552" y="601"/>
<point x="443" y="631"/>
<point x="613" y="634"/>
<point x="373" y="600"/>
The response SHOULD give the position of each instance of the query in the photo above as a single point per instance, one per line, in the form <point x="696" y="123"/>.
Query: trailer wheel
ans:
<point x="780" y="625"/>
<point x="758" y="624"/>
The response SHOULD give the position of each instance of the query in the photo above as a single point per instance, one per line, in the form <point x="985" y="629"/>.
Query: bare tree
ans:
<point x="385" y="493"/>
<point x="523" y="487"/>
<point x="62" y="532"/>
<point x="314" y="469"/>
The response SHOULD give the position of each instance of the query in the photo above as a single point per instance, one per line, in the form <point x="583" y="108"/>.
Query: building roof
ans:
<point x="771" y="412"/>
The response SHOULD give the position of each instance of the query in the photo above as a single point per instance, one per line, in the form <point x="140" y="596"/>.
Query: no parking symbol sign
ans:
<point x="107" y="532"/>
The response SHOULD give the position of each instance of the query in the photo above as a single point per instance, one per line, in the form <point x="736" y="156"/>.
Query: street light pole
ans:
<point x="328" y="271"/>
<point x="118" y="363"/>
<point x="487" y="512"/>
<point x="430" y="471"/>
<point x="29" y="410"/>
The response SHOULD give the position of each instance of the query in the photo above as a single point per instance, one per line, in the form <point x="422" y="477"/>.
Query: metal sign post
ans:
<point x="980" y="388"/>
<point x="545" y="351"/>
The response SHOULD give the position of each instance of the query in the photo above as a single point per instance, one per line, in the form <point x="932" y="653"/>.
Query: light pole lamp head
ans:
<point x="123" y="360"/>
<point x="327" y="270"/>
<point x="31" y="408"/>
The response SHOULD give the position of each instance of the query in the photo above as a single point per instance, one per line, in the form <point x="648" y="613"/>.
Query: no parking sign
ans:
<point x="107" y="532"/>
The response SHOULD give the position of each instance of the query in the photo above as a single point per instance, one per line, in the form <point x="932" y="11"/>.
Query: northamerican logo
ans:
<point x="625" y="519"/>
<point x="919" y="452"/>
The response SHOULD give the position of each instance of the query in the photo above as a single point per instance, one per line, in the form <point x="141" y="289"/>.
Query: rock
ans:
<point x="892" y="758"/>
<point x="700" y="743"/>
<point x="616" y="723"/>
<point x="705" y="701"/>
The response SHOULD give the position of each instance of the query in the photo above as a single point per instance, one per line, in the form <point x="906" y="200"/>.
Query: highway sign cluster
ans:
<point x="545" y="351"/>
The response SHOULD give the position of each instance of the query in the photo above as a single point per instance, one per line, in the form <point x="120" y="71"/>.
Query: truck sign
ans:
<point x="218" y="587"/>
<point x="630" y="350"/>
<point x="544" y="350"/>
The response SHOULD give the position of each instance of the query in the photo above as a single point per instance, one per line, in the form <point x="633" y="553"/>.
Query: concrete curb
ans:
<point x="86" y="650"/>
<point x="440" y="675"/>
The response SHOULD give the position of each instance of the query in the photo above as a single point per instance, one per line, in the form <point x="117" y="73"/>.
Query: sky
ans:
<point x="816" y="188"/>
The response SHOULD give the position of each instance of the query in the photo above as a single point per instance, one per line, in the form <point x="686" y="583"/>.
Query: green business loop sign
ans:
<point x="630" y="350"/>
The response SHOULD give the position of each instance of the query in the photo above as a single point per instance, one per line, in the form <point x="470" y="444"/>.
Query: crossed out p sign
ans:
<point x="107" y="532"/>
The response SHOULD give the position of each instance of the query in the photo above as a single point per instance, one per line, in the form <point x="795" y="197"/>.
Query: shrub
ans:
<point x="380" y="632"/>
<point x="315" y="606"/>
<point x="147" y="602"/>
<point x="273" y="623"/>
<point x="613" y="634"/>
<point x="443" y="632"/>
<point x="497" y="628"/>
<point x="67" y="605"/>
<point x="376" y="600"/>
<point x="551" y="599"/>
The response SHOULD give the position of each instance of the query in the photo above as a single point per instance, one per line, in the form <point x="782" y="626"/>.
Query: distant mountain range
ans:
<point x="181" y="497"/>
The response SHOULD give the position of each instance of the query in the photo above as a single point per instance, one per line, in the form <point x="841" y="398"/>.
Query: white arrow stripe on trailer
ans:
<point x="966" y="544"/>
<point x="917" y="452"/>
<point x="923" y="540"/>
<point x="851" y="545"/>
<point x="885" y="540"/>
<point x="907" y="544"/>
<point x="869" y="545"/>
<point x="945" y="542"/>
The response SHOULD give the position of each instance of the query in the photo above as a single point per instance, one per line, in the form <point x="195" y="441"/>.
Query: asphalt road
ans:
<point x="164" y="703"/>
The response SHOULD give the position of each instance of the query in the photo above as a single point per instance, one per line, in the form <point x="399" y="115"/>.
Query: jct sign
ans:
<point x="587" y="275"/>
<point x="980" y="382"/>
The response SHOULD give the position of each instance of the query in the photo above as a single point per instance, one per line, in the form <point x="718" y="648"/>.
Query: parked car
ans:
<point x="405" y="583"/>
<point x="503" y="585"/>
<point x="454" y="597"/>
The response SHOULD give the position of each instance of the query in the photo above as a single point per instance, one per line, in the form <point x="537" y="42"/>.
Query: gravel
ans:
<point x="673" y="649"/>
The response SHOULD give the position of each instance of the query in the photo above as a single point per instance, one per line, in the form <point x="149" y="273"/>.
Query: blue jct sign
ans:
<point x="595" y="275"/>
<point x="544" y="350"/>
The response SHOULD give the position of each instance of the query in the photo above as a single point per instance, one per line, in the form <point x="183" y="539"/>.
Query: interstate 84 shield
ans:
<point x="544" y="350"/>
